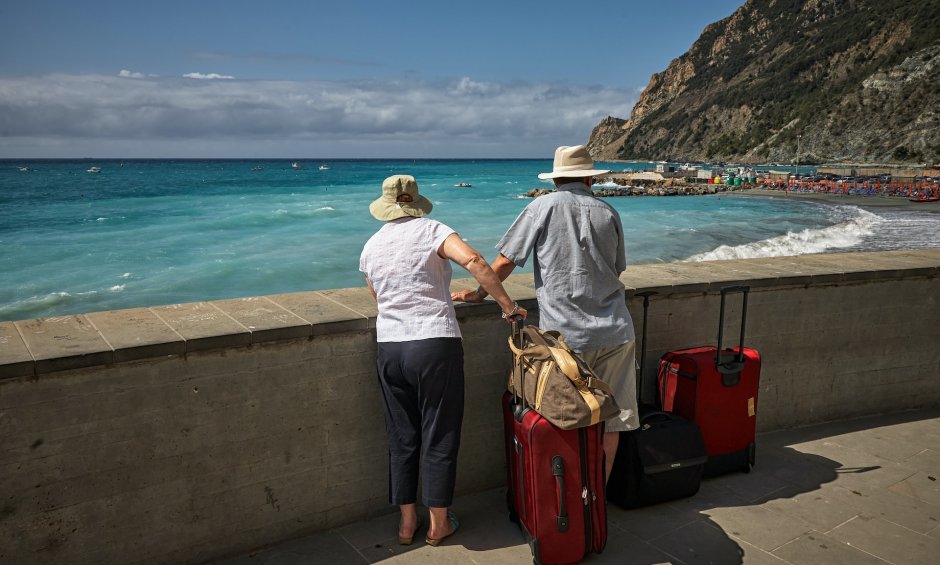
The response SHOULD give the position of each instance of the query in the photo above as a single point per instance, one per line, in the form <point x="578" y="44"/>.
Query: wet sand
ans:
<point x="896" y="203"/>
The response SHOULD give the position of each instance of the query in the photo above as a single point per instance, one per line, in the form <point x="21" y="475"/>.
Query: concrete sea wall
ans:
<point x="183" y="433"/>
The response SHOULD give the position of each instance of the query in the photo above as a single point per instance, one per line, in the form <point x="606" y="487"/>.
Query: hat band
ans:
<point x="404" y="198"/>
<point x="575" y="167"/>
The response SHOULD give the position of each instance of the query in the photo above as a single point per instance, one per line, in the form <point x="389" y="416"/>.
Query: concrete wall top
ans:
<point x="34" y="347"/>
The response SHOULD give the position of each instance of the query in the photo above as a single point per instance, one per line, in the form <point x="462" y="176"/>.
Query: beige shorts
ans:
<point x="617" y="367"/>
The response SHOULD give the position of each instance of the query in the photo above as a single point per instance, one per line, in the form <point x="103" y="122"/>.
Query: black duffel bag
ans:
<point x="662" y="460"/>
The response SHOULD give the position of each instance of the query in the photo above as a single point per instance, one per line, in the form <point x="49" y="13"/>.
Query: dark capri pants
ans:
<point x="422" y="385"/>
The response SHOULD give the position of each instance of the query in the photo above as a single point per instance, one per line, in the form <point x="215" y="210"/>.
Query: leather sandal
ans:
<point x="454" y="525"/>
<point x="409" y="541"/>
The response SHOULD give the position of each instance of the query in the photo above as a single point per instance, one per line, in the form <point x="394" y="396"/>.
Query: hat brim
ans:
<point x="385" y="211"/>
<point x="572" y="174"/>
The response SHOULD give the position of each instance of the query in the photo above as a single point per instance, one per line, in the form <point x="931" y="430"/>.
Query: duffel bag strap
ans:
<point x="569" y="367"/>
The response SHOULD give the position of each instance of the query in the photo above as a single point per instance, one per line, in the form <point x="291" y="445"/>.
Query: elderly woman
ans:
<point x="420" y="354"/>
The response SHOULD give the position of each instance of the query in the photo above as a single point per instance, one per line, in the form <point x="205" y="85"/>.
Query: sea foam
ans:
<point x="845" y="234"/>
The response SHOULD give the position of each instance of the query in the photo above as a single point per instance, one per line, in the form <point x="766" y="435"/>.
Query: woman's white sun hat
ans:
<point x="573" y="162"/>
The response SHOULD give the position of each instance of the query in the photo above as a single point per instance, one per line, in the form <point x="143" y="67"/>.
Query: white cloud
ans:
<point x="352" y="119"/>
<point x="210" y="76"/>
<point x="129" y="74"/>
<point x="468" y="87"/>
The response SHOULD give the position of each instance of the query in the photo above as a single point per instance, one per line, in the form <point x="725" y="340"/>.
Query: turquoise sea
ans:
<point x="152" y="232"/>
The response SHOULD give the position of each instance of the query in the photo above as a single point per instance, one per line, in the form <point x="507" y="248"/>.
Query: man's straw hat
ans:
<point x="572" y="162"/>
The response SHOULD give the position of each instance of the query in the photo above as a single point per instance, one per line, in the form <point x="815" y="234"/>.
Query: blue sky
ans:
<point x="327" y="79"/>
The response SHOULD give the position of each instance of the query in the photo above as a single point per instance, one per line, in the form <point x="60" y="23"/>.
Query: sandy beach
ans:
<point x="868" y="202"/>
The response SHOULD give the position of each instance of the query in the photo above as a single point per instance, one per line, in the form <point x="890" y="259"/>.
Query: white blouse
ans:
<point x="411" y="281"/>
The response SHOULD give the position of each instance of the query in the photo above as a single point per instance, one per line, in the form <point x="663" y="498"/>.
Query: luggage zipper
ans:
<point x="585" y="484"/>
<point x="558" y="470"/>
<point x="521" y="511"/>
<point x="541" y="382"/>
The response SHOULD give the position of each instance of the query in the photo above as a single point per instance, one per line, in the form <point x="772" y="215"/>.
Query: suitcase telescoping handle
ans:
<point x="516" y="323"/>
<point x="731" y="368"/>
<point x="646" y="310"/>
<point x="518" y="400"/>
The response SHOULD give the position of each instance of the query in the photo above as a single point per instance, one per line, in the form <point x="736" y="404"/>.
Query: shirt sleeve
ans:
<point x="621" y="251"/>
<point x="362" y="258"/>
<point x="439" y="232"/>
<point x="519" y="241"/>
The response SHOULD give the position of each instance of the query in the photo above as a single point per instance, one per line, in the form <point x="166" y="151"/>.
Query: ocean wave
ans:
<point x="278" y="215"/>
<point x="607" y="185"/>
<point x="845" y="234"/>
<point x="27" y="306"/>
<point x="117" y="288"/>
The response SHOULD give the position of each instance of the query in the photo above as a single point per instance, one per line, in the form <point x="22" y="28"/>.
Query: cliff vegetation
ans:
<point x="835" y="80"/>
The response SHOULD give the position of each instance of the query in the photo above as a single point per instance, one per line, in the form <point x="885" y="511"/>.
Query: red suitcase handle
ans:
<point x="558" y="470"/>
<point x="730" y="369"/>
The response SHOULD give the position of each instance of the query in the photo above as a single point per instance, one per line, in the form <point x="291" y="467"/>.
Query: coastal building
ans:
<point x="778" y="175"/>
<point x="710" y="173"/>
<point x="647" y="175"/>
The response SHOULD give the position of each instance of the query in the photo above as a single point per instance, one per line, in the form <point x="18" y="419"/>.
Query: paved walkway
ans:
<point x="857" y="492"/>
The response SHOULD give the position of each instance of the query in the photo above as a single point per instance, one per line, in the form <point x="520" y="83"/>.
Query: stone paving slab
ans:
<point x="203" y="326"/>
<point x="902" y="510"/>
<point x="15" y="360"/>
<point x="318" y="310"/>
<point x="64" y="342"/>
<point x="266" y="320"/>
<point x="809" y="500"/>
<point x="137" y="333"/>
<point x="891" y="542"/>
<point x="815" y="547"/>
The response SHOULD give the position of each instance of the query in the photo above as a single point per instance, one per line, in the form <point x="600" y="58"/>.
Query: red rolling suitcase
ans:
<point x="717" y="389"/>
<point x="555" y="482"/>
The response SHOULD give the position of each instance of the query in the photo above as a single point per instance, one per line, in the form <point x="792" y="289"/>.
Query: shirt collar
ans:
<point x="576" y="186"/>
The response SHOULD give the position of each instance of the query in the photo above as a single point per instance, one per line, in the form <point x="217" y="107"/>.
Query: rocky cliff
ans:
<point x="832" y="80"/>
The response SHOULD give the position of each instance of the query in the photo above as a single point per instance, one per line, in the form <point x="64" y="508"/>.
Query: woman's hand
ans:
<point x="466" y="296"/>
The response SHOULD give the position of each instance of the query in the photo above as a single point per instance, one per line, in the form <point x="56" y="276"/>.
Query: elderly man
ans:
<point x="576" y="241"/>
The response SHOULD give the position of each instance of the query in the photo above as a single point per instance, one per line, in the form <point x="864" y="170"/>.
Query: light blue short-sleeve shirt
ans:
<point x="576" y="241"/>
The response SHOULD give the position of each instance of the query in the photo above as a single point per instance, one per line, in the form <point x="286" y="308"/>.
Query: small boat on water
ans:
<point x="463" y="185"/>
<point x="324" y="167"/>
<point x="925" y="199"/>
<point x="257" y="168"/>
<point x="295" y="165"/>
<point x="94" y="170"/>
